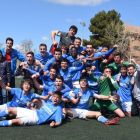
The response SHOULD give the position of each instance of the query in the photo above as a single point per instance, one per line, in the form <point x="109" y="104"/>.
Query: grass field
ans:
<point x="76" y="129"/>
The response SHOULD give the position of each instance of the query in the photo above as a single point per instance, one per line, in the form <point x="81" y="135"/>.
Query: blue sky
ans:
<point x="35" y="19"/>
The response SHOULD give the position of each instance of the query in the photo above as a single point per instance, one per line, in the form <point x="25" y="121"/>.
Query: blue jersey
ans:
<point x="49" y="63"/>
<point x="47" y="81"/>
<point x="75" y="63"/>
<point x="49" y="112"/>
<point x="47" y="89"/>
<point x="64" y="56"/>
<point x="43" y="60"/>
<point x="84" y="101"/>
<point x="95" y="62"/>
<point x="93" y="85"/>
<point x="19" y="99"/>
<point x="80" y="49"/>
<point x="125" y="88"/>
<point x="68" y="73"/>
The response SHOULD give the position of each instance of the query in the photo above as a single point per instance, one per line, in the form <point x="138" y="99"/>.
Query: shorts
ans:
<point x="79" y="113"/>
<point x="3" y="107"/>
<point x="128" y="106"/>
<point x="28" y="117"/>
<point x="99" y="104"/>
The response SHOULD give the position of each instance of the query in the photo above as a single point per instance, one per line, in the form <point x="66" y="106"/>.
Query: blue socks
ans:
<point x="102" y="119"/>
<point x="5" y="123"/>
<point x="4" y="113"/>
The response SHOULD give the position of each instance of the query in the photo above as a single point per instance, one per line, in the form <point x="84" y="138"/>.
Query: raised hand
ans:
<point x="80" y="94"/>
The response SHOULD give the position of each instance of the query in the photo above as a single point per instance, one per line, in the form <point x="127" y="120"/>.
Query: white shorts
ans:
<point x="79" y="113"/>
<point x="3" y="107"/>
<point x="128" y="106"/>
<point x="75" y="84"/>
<point x="28" y="117"/>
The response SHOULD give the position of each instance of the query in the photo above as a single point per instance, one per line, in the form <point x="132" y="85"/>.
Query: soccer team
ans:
<point x="63" y="82"/>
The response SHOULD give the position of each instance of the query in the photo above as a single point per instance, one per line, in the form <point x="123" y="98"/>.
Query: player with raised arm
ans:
<point x="81" y="109"/>
<point x="21" y="95"/>
<point x="91" y="54"/>
<point x="67" y="72"/>
<point x="106" y="86"/>
<point x="49" y="112"/>
<point x="124" y="91"/>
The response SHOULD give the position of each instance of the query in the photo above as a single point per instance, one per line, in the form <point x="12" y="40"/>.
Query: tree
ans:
<point x="26" y="46"/>
<point x="117" y="34"/>
<point x="99" y="24"/>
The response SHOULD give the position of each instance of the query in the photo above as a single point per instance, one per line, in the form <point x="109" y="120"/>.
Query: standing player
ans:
<point x="81" y="110"/>
<point x="90" y="52"/>
<point x="74" y="61"/>
<point x="43" y="56"/>
<point x="116" y="65"/>
<point x="55" y="60"/>
<point x="11" y="56"/>
<point x="125" y="90"/>
<point x="67" y="72"/>
<point x="65" y="38"/>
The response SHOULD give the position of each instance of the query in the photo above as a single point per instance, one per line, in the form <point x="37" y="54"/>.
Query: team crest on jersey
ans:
<point x="54" y="108"/>
<point x="69" y="75"/>
<point x="86" y="97"/>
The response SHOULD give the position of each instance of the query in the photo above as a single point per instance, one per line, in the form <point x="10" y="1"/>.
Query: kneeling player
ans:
<point x="47" y="113"/>
<point x="81" y="110"/>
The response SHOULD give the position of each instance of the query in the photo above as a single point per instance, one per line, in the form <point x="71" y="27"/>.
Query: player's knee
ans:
<point x="122" y="115"/>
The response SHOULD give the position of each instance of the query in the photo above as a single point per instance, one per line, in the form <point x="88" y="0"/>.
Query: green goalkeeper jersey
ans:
<point x="106" y="85"/>
<point x="115" y="68"/>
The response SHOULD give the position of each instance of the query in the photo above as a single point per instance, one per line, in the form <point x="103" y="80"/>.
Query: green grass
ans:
<point x="76" y="129"/>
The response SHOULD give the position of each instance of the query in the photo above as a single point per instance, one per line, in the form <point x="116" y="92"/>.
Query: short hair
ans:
<point x="123" y="66"/>
<point x="57" y="50"/>
<point x="26" y="81"/>
<point x="89" y="44"/>
<point x="130" y="65"/>
<point x="60" y="77"/>
<point x="30" y="52"/>
<point x="118" y="54"/>
<point x="65" y="60"/>
<point x="88" y="67"/>
<point x="59" y="93"/>
<point x="74" y="48"/>
<point x="43" y="44"/>
<point x="65" y="47"/>
<point x="9" y="38"/>
<point x="55" y="68"/>
<point x="78" y="38"/>
<point x="106" y="46"/>
<point x="108" y="68"/>
<point x="73" y="27"/>
<point x="81" y="78"/>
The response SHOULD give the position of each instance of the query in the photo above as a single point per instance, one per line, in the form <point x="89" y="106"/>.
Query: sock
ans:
<point x="102" y="119"/>
<point x="4" y="113"/>
<point x="5" y="123"/>
<point x="121" y="103"/>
